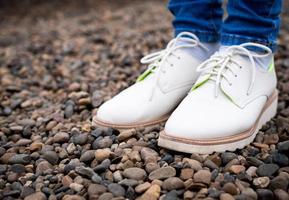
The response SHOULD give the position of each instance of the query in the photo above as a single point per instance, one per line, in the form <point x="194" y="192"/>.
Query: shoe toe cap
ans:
<point x="211" y="120"/>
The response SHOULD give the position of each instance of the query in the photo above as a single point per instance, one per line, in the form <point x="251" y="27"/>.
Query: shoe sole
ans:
<point x="229" y="143"/>
<point x="98" y="122"/>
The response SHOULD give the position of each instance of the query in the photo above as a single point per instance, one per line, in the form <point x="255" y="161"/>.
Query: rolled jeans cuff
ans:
<point x="232" y="39"/>
<point x="204" y="36"/>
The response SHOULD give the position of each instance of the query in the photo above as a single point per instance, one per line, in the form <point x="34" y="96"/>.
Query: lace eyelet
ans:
<point x="179" y="57"/>
<point x="171" y="65"/>
<point x="236" y="76"/>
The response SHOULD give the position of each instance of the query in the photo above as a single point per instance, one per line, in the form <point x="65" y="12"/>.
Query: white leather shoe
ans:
<point x="169" y="77"/>
<point x="226" y="107"/>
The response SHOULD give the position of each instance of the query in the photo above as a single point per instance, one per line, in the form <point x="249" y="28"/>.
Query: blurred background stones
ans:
<point x="59" y="60"/>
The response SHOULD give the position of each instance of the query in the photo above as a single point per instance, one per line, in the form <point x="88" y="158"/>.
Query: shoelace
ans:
<point x="221" y="62"/>
<point x="157" y="60"/>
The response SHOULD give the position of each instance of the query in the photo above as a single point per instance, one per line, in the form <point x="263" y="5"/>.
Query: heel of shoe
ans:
<point x="269" y="113"/>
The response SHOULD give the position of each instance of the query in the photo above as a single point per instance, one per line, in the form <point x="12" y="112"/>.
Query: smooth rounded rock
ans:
<point x="135" y="173"/>
<point x="172" y="183"/>
<point x="267" y="169"/>
<point x="162" y="173"/>
<point x="202" y="176"/>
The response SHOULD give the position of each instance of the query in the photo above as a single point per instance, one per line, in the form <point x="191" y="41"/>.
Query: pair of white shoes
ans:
<point x="216" y="105"/>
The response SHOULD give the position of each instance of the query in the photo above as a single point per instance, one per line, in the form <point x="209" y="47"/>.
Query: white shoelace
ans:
<point x="157" y="60"/>
<point x="221" y="62"/>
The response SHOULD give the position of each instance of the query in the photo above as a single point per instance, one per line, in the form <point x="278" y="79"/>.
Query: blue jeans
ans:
<point x="248" y="20"/>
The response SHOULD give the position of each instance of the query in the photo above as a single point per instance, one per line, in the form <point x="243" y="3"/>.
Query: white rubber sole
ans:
<point x="230" y="143"/>
<point x="98" y="122"/>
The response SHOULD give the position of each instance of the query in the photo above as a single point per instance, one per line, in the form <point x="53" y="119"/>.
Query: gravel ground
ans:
<point x="59" y="61"/>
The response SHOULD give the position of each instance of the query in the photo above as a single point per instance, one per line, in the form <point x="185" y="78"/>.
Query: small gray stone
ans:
<point x="20" y="159"/>
<point x="116" y="189"/>
<point x="51" y="157"/>
<point x="173" y="183"/>
<point x="87" y="156"/>
<point x="18" y="168"/>
<point x="128" y="182"/>
<point x="267" y="169"/>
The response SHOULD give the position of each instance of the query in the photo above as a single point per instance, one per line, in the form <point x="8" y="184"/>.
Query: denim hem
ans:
<point x="232" y="39"/>
<point x="204" y="36"/>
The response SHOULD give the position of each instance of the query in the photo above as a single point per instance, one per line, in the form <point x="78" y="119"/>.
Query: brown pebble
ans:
<point x="202" y="176"/>
<point x="186" y="173"/>
<point x="237" y="169"/>
<point x="152" y="193"/>
<point x="142" y="187"/>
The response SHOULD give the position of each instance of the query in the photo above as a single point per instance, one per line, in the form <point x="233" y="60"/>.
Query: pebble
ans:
<point x="76" y="187"/>
<point x="271" y="139"/>
<point x="230" y="188"/>
<point x="125" y="135"/>
<point x="279" y="182"/>
<point x="66" y="181"/>
<point x="101" y="154"/>
<point x="105" y="196"/>
<point x="237" y="169"/>
<point x="72" y="197"/>
<point x="18" y="168"/>
<point x="188" y="195"/>
<point x="71" y="148"/>
<point x="95" y="189"/>
<point x="26" y="191"/>
<point x="61" y="137"/>
<point x="36" y="196"/>
<point x="171" y="195"/>
<point x="162" y="173"/>
<point x="186" y="173"/>
<point x="51" y="156"/>
<point x="2" y="151"/>
<point x="267" y="169"/>
<point x="202" y="176"/>
<point x="3" y="169"/>
<point x="227" y="157"/>
<point x="135" y="173"/>
<point x="250" y="193"/>
<point x="264" y="194"/>
<point x="43" y="166"/>
<point x="85" y="171"/>
<point x="103" y="143"/>
<point x="117" y="176"/>
<point x="79" y="138"/>
<point x="142" y="187"/>
<point x="281" y="194"/>
<point x="153" y="193"/>
<point x="251" y="171"/>
<point x="261" y="182"/>
<point x="128" y="182"/>
<point x="20" y="159"/>
<point x="226" y="196"/>
<point x="173" y="183"/>
<point x="283" y="146"/>
<point x="280" y="159"/>
<point x="87" y="156"/>
<point x="149" y="155"/>
<point x="210" y="164"/>
<point x="116" y="189"/>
